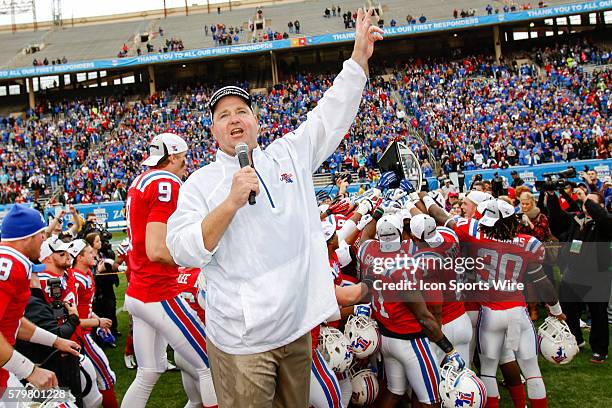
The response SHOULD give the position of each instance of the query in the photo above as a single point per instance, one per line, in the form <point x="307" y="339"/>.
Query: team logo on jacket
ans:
<point x="287" y="177"/>
<point x="464" y="399"/>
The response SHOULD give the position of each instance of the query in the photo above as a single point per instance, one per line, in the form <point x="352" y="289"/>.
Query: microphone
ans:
<point x="242" y="150"/>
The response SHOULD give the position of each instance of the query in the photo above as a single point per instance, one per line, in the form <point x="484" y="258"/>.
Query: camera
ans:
<point x="555" y="181"/>
<point x="55" y="291"/>
<point x="346" y="175"/>
<point x="105" y="236"/>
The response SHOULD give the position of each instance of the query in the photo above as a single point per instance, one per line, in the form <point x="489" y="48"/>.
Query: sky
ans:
<point x="88" y="8"/>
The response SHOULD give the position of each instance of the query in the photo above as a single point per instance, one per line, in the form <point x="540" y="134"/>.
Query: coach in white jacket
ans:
<point x="268" y="279"/>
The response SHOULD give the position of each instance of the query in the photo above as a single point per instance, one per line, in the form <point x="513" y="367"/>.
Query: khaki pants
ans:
<point x="279" y="377"/>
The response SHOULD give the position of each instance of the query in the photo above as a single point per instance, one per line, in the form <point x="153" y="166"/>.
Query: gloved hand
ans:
<point x="407" y="186"/>
<point x="365" y="206"/>
<point x="391" y="207"/>
<point x="386" y="179"/>
<point x="455" y="359"/>
<point x="438" y="198"/>
<point x="398" y="194"/>
<point x="106" y="336"/>
<point x="365" y="220"/>
<point x="341" y="206"/>
<point x="362" y="310"/>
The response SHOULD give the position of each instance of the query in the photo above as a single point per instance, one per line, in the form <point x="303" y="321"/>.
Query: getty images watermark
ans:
<point x="437" y="273"/>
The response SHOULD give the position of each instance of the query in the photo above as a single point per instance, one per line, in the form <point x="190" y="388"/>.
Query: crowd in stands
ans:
<point x="39" y="156"/>
<point x="223" y="35"/>
<point x="507" y="8"/>
<point x="45" y="61"/>
<point x="469" y="114"/>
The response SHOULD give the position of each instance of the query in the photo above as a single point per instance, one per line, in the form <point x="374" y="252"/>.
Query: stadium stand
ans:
<point x="76" y="42"/>
<point x="468" y="114"/>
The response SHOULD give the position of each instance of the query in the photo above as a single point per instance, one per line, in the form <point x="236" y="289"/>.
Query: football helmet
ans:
<point x="389" y="232"/>
<point x="557" y="343"/>
<point x="363" y="334"/>
<point x="335" y="348"/>
<point x="364" y="384"/>
<point x="461" y="388"/>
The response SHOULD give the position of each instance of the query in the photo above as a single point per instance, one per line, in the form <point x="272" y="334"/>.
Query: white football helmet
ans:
<point x="557" y="343"/>
<point x="335" y="349"/>
<point x="363" y="334"/>
<point x="461" y="388"/>
<point x="365" y="386"/>
<point x="389" y="232"/>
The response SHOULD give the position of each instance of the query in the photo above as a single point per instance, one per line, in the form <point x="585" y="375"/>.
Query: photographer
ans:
<point x="584" y="261"/>
<point x="58" y="288"/>
<point x="45" y="316"/>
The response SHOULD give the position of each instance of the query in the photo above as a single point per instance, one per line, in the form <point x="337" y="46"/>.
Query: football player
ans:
<point x="22" y="236"/>
<point x="504" y="324"/>
<point x="189" y="282"/>
<point x="159" y="314"/>
<point x="404" y="321"/>
<point x="83" y="261"/>
<point x="443" y="243"/>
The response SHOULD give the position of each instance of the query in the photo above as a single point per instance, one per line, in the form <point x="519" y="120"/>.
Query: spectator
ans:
<point x="585" y="261"/>
<point x="593" y="183"/>
<point x="422" y="19"/>
<point x="535" y="223"/>
<point x="296" y="24"/>
<point x="516" y="179"/>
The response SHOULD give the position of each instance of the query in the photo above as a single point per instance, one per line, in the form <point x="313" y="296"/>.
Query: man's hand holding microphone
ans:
<point x="245" y="185"/>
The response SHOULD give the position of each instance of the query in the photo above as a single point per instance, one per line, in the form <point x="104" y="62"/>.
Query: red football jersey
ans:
<point x="85" y="290"/>
<point x="188" y="289"/>
<point x="152" y="197"/>
<point x="452" y="308"/>
<point x="15" y="270"/>
<point x="394" y="316"/>
<point x="504" y="263"/>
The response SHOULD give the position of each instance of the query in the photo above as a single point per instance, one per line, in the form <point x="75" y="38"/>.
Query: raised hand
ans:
<point x="366" y="35"/>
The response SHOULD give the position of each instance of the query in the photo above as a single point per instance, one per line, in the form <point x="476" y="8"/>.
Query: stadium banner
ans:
<point x="196" y="54"/>
<point x="110" y="214"/>
<point x="530" y="174"/>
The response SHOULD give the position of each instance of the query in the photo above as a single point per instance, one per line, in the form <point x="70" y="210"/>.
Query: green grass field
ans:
<point x="577" y="385"/>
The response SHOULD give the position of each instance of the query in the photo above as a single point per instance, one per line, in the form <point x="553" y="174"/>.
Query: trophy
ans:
<point x="399" y="159"/>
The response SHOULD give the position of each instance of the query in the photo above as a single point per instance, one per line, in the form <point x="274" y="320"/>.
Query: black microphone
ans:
<point x="242" y="150"/>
